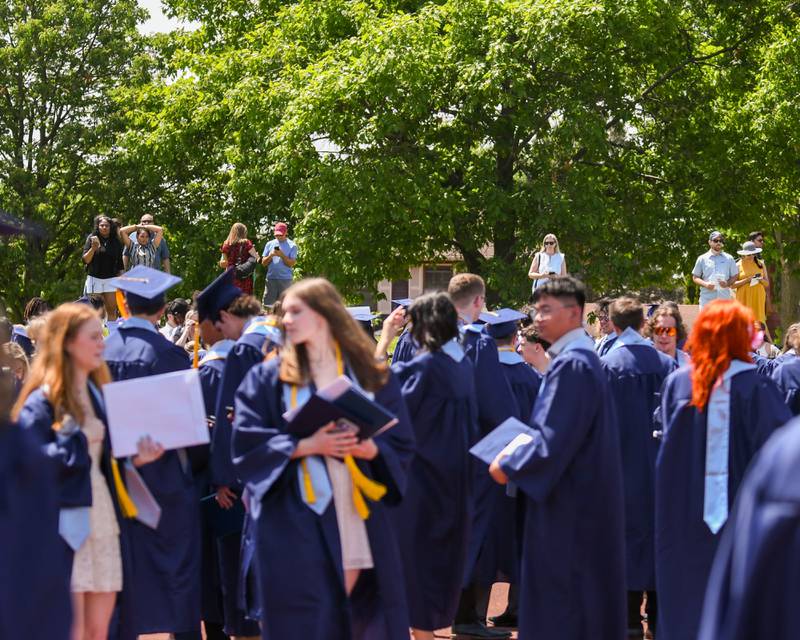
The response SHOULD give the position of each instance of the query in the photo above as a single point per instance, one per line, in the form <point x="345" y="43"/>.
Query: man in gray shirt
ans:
<point x="715" y="271"/>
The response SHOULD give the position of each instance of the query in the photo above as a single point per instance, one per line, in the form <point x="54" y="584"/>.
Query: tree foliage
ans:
<point x="392" y="133"/>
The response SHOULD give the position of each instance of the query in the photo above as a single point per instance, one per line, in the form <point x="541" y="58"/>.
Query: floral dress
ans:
<point x="237" y="254"/>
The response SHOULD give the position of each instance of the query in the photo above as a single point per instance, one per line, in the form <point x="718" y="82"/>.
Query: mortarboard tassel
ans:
<point x="123" y="312"/>
<point x="126" y="505"/>
<point x="196" y="355"/>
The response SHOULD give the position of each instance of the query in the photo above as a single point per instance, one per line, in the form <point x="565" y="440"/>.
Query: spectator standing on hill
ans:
<point x="238" y="252"/>
<point x="279" y="257"/>
<point x="715" y="271"/>
<point x="161" y="260"/>
<point x="102" y="255"/>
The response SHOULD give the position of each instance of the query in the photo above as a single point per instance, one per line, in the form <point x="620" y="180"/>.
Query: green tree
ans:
<point x="60" y="62"/>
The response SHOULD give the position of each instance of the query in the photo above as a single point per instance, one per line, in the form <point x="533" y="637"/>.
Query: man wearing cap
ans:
<point x="166" y="561"/>
<point x="496" y="403"/>
<point x="715" y="271"/>
<point x="502" y="553"/>
<point x="636" y="371"/>
<point x="236" y="316"/>
<point x="279" y="257"/>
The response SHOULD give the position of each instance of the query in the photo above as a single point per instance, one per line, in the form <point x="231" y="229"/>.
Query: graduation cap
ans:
<point x="143" y="285"/>
<point x="402" y="302"/>
<point x="501" y="323"/>
<point x="362" y="314"/>
<point x="217" y="296"/>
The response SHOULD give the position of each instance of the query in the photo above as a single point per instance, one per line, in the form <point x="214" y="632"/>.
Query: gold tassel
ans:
<point x="123" y="312"/>
<point x="126" y="505"/>
<point x="311" y="497"/>
<point x="363" y="486"/>
<point x="196" y="355"/>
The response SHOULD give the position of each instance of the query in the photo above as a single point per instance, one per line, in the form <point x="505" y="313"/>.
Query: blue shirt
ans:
<point x="712" y="267"/>
<point x="277" y="270"/>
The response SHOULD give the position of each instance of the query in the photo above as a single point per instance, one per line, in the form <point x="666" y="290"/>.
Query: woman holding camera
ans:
<point x="102" y="255"/>
<point x="549" y="261"/>
<point x="752" y="281"/>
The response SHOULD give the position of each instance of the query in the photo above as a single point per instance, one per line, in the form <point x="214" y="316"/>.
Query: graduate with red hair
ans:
<point x="716" y="414"/>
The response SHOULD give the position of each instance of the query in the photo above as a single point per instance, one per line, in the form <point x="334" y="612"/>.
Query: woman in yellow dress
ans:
<point x="751" y="285"/>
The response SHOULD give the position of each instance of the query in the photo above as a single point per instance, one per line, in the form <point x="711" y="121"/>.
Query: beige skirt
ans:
<point x="356" y="552"/>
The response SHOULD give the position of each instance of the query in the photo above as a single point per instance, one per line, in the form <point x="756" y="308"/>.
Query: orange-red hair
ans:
<point x="722" y="332"/>
<point x="53" y="366"/>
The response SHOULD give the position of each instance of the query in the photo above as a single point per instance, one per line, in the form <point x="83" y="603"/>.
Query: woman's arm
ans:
<point x="88" y="255"/>
<point x="253" y="253"/>
<point x="533" y="272"/>
<point x="158" y="231"/>
<point x="125" y="234"/>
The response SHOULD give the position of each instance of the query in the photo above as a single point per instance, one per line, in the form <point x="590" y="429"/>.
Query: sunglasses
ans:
<point x="665" y="331"/>
<point x="718" y="241"/>
<point x="549" y="242"/>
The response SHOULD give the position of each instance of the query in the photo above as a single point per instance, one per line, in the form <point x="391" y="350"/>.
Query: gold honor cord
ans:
<point x="362" y="485"/>
<point x="123" y="313"/>
<point x="126" y="505"/>
<point x="196" y="352"/>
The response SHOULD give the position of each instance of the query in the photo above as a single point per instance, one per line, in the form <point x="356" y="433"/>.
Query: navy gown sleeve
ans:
<point x="412" y="379"/>
<point x="496" y="402"/>
<point x="560" y="424"/>
<point x="754" y="584"/>
<point x="395" y="446"/>
<point x="787" y="378"/>
<point x="261" y="448"/>
<point x="69" y="453"/>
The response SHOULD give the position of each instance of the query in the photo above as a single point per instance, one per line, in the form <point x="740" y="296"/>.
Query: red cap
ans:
<point x="281" y="228"/>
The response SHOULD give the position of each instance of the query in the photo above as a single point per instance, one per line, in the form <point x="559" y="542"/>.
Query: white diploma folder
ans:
<point x="168" y="407"/>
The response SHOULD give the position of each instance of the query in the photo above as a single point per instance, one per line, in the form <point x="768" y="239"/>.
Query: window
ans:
<point x="436" y="277"/>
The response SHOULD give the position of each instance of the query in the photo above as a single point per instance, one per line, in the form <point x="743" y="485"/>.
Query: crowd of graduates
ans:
<point x="644" y="485"/>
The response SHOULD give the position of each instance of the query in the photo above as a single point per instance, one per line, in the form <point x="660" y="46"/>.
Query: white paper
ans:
<point x="169" y="408"/>
<point x="754" y="281"/>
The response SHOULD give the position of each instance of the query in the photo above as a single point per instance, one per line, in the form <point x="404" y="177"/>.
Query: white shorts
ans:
<point x="98" y="285"/>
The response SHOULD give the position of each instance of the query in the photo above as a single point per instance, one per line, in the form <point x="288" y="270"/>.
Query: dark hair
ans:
<point x="35" y="307"/>
<point x="626" y="312"/>
<point x="113" y="234"/>
<point x="6" y="330"/>
<point x="96" y="301"/>
<point x="531" y="335"/>
<point x="672" y="310"/>
<point x="357" y="347"/>
<point x="464" y="287"/>
<point x="245" y="306"/>
<point x="562" y="287"/>
<point x="603" y="304"/>
<point x="755" y="235"/>
<point x="434" y="320"/>
<point x="139" y="306"/>
<point x="179" y="307"/>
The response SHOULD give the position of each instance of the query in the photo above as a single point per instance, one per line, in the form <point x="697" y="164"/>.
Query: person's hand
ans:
<point x="225" y="497"/>
<point x="366" y="449"/>
<point x="498" y="475"/>
<point x="331" y="440"/>
<point x="95" y="242"/>
<point x="394" y="322"/>
<point x="277" y="251"/>
<point x="710" y="286"/>
<point x="147" y="451"/>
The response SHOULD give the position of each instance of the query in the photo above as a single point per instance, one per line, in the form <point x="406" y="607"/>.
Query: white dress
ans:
<point x="548" y="264"/>
<point x="97" y="566"/>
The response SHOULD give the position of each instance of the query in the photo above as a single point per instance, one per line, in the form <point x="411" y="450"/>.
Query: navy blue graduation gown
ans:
<point x="754" y="585"/>
<point x="166" y="576"/>
<point x="433" y="520"/>
<point x="501" y="554"/>
<point x="573" y="557"/>
<point x="787" y="376"/>
<point x="246" y="353"/>
<point x="298" y="553"/>
<point x="496" y="403"/>
<point x="684" y="544"/>
<point x="636" y="373"/>
<point x="34" y="585"/>
<point x="405" y="348"/>
<point x="73" y="465"/>
<point x="210" y="373"/>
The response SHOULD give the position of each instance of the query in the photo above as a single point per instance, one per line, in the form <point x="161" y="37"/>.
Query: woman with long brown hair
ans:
<point x="62" y="403"/>
<point x="238" y="252"/>
<point x="717" y="412"/>
<point x="328" y="561"/>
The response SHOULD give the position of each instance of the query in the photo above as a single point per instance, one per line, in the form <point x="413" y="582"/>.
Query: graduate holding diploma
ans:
<point x="573" y="564"/>
<point x="717" y="413"/>
<point x="62" y="403"/>
<point x="166" y="560"/>
<point x="433" y="520"/>
<point x="329" y="564"/>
